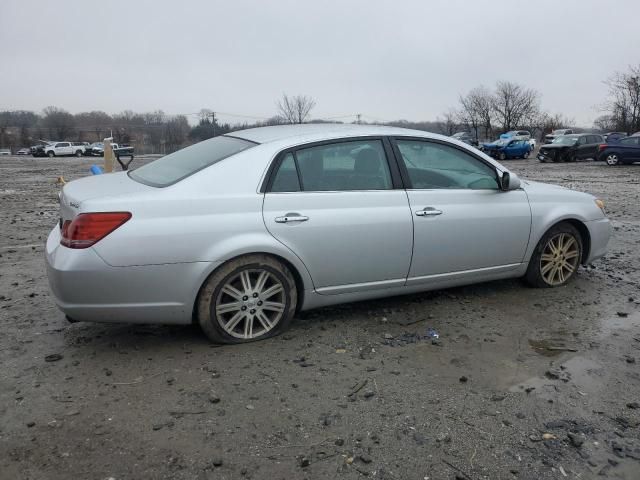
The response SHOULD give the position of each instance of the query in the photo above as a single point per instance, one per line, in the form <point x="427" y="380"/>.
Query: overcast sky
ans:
<point x="407" y="59"/>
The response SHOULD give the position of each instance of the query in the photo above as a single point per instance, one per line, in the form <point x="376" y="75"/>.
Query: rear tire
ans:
<point x="613" y="160"/>
<point x="526" y="155"/>
<point x="247" y="299"/>
<point x="502" y="156"/>
<point x="79" y="153"/>
<point x="556" y="258"/>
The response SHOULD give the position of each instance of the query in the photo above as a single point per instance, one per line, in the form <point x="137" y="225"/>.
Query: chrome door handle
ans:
<point x="428" y="212"/>
<point x="291" y="219"/>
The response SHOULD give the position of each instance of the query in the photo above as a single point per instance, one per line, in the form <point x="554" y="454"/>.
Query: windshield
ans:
<point x="178" y="165"/>
<point x="460" y="135"/>
<point x="565" y="140"/>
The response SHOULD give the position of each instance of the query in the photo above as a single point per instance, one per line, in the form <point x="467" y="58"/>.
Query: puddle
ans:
<point x="583" y="373"/>
<point x="550" y="347"/>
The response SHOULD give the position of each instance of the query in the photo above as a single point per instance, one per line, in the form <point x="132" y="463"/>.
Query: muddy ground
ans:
<point x="522" y="383"/>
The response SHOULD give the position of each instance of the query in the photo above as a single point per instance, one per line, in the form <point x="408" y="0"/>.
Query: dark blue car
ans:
<point x="507" y="148"/>
<point x="624" y="151"/>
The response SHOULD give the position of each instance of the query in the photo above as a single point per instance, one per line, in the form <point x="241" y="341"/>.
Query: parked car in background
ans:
<point x="38" y="150"/>
<point x="613" y="137"/>
<point x="5" y="151"/>
<point x="466" y="137"/>
<point x="557" y="133"/>
<point x="63" y="149"/>
<point x="97" y="149"/>
<point x="572" y="147"/>
<point x="624" y="151"/>
<point x="505" y="148"/>
<point x="23" y="151"/>
<point x="252" y="220"/>
<point x="518" y="135"/>
<point x="82" y="146"/>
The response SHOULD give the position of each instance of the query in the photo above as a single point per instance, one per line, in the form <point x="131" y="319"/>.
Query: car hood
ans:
<point x="543" y="190"/>
<point x="540" y="187"/>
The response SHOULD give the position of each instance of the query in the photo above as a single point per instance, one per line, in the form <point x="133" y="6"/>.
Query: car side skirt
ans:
<point x="313" y="299"/>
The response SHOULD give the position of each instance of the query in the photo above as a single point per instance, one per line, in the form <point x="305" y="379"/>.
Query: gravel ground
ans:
<point x="522" y="383"/>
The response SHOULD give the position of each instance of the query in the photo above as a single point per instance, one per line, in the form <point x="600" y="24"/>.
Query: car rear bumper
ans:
<point x="600" y="233"/>
<point x="86" y="288"/>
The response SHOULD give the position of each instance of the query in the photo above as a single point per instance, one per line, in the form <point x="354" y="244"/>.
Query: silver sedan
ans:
<point x="240" y="232"/>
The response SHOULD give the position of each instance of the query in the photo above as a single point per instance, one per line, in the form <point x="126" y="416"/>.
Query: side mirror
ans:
<point x="504" y="181"/>
<point x="509" y="181"/>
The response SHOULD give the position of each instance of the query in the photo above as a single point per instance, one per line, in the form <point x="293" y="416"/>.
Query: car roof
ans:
<point x="324" y="131"/>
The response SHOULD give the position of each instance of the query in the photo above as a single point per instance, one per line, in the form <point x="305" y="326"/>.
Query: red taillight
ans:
<point x="88" y="228"/>
<point x="602" y="146"/>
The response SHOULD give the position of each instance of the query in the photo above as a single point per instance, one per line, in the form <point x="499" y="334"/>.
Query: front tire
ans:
<point x="250" y="298"/>
<point x="612" y="160"/>
<point x="526" y="155"/>
<point x="51" y="154"/>
<point x="79" y="153"/>
<point x="556" y="258"/>
<point x="502" y="156"/>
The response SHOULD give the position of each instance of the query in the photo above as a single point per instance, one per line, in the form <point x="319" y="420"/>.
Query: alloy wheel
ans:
<point x="559" y="259"/>
<point x="250" y="303"/>
<point x="612" y="159"/>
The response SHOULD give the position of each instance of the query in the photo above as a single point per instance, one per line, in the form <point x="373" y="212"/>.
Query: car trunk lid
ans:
<point x="75" y="193"/>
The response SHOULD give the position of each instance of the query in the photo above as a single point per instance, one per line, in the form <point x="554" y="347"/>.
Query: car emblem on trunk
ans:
<point x="74" y="205"/>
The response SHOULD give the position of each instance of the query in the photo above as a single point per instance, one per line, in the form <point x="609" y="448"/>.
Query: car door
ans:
<point x="340" y="207"/>
<point x="594" y="142"/>
<point x="463" y="223"/>
<point x="629" y="149"/>
<point x="581" y="148"/>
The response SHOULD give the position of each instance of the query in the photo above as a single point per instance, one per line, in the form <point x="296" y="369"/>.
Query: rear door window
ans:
<point x="341" y="166"/>
<point x="286" y="178"/>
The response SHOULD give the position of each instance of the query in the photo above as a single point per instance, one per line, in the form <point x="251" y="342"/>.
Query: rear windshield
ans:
<point x="176" y="166"/>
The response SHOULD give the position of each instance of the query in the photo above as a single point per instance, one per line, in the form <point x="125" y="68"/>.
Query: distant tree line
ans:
<point x="483" y="111"/>
<point x="151" y="132"/>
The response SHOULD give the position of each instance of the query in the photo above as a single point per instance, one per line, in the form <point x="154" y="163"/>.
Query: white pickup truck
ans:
<point x="63" y="149"/>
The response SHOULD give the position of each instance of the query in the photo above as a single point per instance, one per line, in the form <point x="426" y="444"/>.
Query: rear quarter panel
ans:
<point x="212" y="216"/>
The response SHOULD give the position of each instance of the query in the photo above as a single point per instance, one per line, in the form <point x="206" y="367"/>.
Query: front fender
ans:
<point x="542" y="222"/>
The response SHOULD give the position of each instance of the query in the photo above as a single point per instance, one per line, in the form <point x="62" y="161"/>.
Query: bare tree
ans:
<point x="477" y="110"/>
<point x="59" y="122"/>
<point x="449" y="123"/>
<point x="295" y="109"/>
<point x="606" y="123"/>
<point x="623" y="102"/>
<point x="96" y="122"/>
<point x="514" y="105"/>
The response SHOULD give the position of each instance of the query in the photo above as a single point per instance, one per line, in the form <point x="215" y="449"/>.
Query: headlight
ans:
<point x="600" y="204"/>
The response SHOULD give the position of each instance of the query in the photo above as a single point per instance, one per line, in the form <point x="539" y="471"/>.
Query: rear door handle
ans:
<point x="428" y="212"/>
<point x="291" y="218"/>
